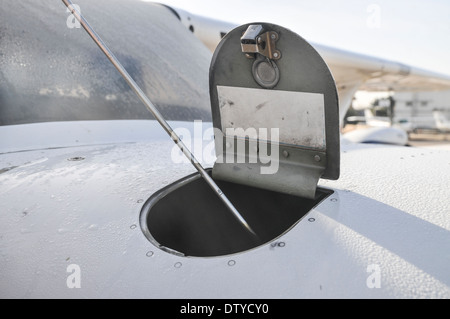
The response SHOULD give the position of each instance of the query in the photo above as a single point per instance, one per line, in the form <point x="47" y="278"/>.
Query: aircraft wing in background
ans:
<point x="351" y="71"/>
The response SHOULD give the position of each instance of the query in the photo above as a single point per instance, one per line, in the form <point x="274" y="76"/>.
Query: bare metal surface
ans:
<point x="301" y="70"/>
<point x="298" y="116"/>
<point x="302" y="104"/>
<point x="254" y="41"/>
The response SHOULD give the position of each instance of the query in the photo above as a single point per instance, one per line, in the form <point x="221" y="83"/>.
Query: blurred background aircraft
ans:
<point x="410" y="32"/>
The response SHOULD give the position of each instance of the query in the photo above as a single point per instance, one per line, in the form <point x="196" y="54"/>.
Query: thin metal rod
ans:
<point x="155" y="112"/>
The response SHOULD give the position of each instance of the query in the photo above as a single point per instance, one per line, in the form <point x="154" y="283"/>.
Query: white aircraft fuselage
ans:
<point x="382" y="233"/>
<point x="74" y="182"/>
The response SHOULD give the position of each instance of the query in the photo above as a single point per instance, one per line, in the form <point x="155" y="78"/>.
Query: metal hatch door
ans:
<point x="275" y="111"/>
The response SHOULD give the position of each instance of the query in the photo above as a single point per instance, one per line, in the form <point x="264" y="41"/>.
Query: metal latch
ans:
<point x="260" y="45"/>
<point x="254" y="41"/>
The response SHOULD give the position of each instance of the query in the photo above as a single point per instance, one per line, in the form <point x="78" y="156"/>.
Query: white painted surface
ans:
<point x="15" y="138"/>
<point x="390" y="208"/>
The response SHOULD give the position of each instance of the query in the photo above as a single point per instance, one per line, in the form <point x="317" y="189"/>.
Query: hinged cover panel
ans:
<point x="277" y="118"/>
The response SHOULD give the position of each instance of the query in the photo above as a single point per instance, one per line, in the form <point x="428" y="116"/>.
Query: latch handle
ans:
<point x="255" y="41"/>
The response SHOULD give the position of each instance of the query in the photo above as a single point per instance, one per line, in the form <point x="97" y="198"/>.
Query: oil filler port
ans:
<point x="188" y="219"/>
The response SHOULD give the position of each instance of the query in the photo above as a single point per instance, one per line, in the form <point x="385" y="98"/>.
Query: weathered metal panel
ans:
<point x="299" y="116"/>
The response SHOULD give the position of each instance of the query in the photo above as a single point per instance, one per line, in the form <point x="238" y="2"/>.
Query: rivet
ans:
<point x="133" y="226"/>
<point x="285" y="153"/>
<point x="140" y="201"/>
<point x="281" y="244"/>
<point x="149" y="253"/>
<point x="334" y="200"/>
<point x="275" y="55"/>
<point x="231" y="263"/>
<point x="273" y="36"/>
<point x="311" y="219"/>
<point x="177" y="265"/>
<point x="317" y="158"/>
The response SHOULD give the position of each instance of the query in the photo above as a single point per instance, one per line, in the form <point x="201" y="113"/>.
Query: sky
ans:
<point x="412" y="32"/>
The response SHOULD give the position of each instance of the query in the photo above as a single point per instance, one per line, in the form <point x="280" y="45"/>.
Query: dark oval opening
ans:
<point x="187" y="218"/>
